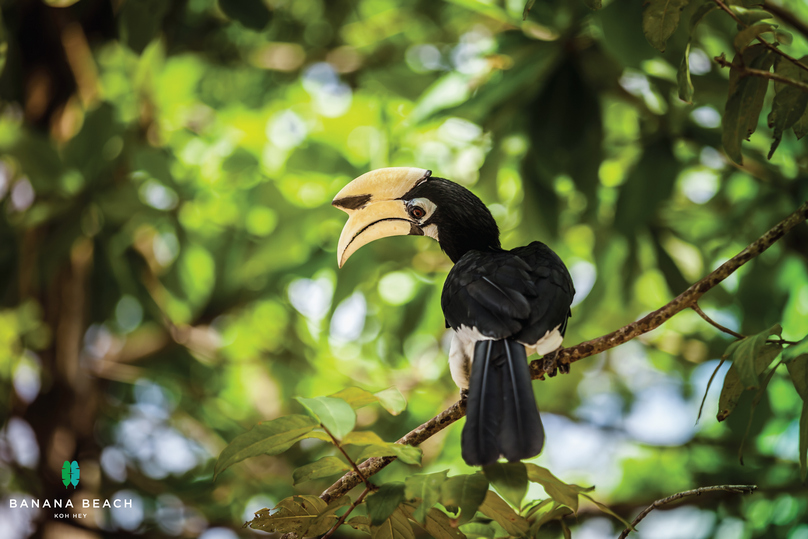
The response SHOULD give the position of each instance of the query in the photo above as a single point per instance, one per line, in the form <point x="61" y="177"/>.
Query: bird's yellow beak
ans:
<point x="375" y="208"/>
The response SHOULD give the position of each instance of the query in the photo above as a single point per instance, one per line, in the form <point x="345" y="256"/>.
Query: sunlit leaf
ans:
<point x="335" y="415"/>
<point x="395" y="527"/>
<point x="405" y="453"/>
<point x="608" y="511"/>
<point x="476" y="529"/>
<point x="356" y="397"/>
<point x="325" y="467"/>
<point x="509" y="479"/>
<point x="268" y="438"/>
<point x="683" y="77"/>
<point x="795" y="351"/>
<point x="327" y="517"/>
<point x="465" y="492"/>
<point x="558" y="490"/>
<point x="425" y="487"/>
<point x="361" y="523"/>
<point x="495" y="507"/>
<point x="392" y="400"/>
<point x="660" y="19"/>
<point x="294" y="514"/>
<point x="384" y="501"/>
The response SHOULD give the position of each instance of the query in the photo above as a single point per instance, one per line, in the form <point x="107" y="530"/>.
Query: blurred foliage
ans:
<point x="167" y="249"/>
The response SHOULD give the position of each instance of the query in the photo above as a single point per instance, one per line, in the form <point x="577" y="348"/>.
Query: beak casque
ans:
<point x="375" y="209"/>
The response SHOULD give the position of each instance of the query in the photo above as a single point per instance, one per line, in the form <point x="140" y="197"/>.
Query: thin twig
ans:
<point x="713" y="323"/>
<point x="539" y="367"/>
<point x="740" y="489"/>
<point x="749" y="71"/>
<point x="338" y="443"/>
<point x="765" y="43"/>
<point x="342" y="519"/>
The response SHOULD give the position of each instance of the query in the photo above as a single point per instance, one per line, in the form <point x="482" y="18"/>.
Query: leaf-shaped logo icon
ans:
<point x="74" y="473"/>
<point x="66" y="473"/>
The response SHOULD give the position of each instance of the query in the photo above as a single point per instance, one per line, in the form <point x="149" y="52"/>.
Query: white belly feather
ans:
<point x="461" y="352"/>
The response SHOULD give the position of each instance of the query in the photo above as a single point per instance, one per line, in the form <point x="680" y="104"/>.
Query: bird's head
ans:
<point x="410" y="201"/>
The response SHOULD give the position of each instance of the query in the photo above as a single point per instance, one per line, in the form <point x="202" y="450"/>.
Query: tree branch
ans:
<point x="741" y="489"/>
<point x="748" y="71"/>
<point x="565" y="356"/>
<point x="715" y="324"/>
<point x="765" y="43"/>
<point x="787" y="17"/>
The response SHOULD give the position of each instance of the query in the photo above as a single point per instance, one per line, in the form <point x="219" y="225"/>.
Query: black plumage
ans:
<point x="505" y="300"/>
<point x="502" y="305"/>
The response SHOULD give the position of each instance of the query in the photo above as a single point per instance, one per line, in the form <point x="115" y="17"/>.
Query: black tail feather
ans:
<point x="501" y="413"/>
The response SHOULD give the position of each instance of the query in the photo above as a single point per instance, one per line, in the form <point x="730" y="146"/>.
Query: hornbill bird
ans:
<point x="502" y="305"/>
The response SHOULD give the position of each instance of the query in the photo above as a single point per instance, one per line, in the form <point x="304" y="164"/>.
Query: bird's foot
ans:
<point x="552" y="366"/>
<point x="464" y="394"/>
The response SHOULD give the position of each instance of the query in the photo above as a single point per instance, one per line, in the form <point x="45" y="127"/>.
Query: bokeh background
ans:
<point x="167" y="249"/>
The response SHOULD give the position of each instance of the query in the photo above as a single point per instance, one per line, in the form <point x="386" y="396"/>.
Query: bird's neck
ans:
<point x="469" y="238"/>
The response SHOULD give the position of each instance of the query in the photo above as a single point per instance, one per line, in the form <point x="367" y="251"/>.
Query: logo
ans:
<point x="70" y="474"/>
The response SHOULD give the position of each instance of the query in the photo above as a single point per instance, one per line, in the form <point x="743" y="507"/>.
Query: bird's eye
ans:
<point x="417" y="212"/>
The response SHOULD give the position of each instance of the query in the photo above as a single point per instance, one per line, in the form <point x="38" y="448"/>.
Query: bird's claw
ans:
<point x="464" y="394"/>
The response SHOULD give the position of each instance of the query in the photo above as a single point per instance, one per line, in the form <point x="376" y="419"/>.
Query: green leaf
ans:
<point x="594" y="4"/>
<point x="361" y="523"/>
<point x="425" y="487"/>
<point x="683" y="78"/>
<point x="557" y="512"/>
<point x="327" y="517"/>
<point x="325" y="467"/>
<point x="439" y="526"/>
<point x="335" y="415"/>
<point x="749" y="16"/>
<point x="476" y="529"/>
<point x="465" y="492"/>
<point x="745" y="100"/>
<point x="798" y="371"/>
<point x="366" y="437"/>
<point x="269" y="438"/>
<point x="528" y="7"/>
<point x="804" y="442"/>
<point x="405" y="453"/>
<point x="795" y="351"/>
<point x="608" y="511"/>
<point x="383" y="502"/>
<point x="746" y="352"/>
<point x="356" y="397"/>
<point x="558" y="490"/>
<point x="60" y="3"/>
<point x="392" y="400"/>
<point x="755" y="401"/>
<point x="495" y="507"/>
<point x="790" y="103"/>
<point x="734" y="387"/>
<point x="660" y="19"/>
<point x="293" y="514"/>
<point x="3" y="44"/>
<point x="509" y="479"/>
<point x="683" y="75"/>
<point x="253" y="14"/>
<point x="395" y="527"/>
<point x="746" y="35"/>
